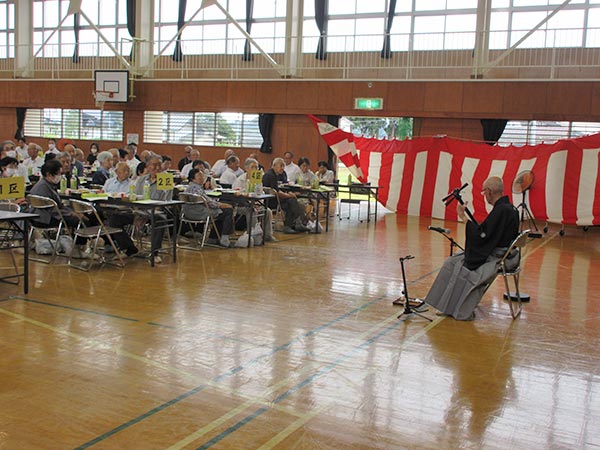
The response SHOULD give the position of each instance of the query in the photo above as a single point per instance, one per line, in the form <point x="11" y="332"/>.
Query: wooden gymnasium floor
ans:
<point x="296" y="345"/>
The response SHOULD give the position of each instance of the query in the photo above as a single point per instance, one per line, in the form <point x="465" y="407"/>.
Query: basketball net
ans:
<point x="101" y="97"/>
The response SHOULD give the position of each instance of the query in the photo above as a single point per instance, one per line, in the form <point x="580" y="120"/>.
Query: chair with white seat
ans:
<point x="207" y="224"/>
<point x="94" y="233"/>
<point x="46" y="231"/>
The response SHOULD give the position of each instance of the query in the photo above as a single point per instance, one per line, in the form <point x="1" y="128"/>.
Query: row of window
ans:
<point x="418" y="25"/>
<point x="242" y="130"/>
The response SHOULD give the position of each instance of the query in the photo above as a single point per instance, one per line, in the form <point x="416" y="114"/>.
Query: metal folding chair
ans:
<point x="208" y="223"/>
<point x="94" y="233"/>
<point x="508" y="270"/>
<point x="8" y="235"/>
<point x="46" y="232"/>
<point x="279" y="214"/>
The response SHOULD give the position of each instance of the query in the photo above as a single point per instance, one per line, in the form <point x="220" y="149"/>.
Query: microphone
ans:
<point x="439" y="229"/>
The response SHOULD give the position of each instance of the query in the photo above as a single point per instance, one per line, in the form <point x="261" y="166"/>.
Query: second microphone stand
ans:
<point x="453" y="243"/>
<point x="407" y="308"/>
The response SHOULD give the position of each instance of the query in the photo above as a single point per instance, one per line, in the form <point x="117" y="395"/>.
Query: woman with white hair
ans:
<point x="105" y="160"/>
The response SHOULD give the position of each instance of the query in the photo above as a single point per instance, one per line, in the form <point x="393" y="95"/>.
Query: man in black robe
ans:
<point x="464" y="278"/>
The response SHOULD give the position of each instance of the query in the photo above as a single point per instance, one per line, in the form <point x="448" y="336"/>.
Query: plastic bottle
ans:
<point x="63" y="184"/>
<point x="132" y="194"/>
<point x="147" y="190"/>
<point x="315" y="182"/>
<point x="30" y="171"/>
<point x="73" y="182"/>
<point x="349" y="179"/>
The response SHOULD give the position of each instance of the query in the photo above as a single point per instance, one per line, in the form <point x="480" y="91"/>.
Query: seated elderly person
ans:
<point x="34" y="163"/>
<point x="295" y="216"/>
<point x="68" y="169"/>
<point x="323" y="173"/>
<point x="222" y="213"/>
<point x="241" y="183"/>
<point x="120" y="182"/>
<point x="105" y="161"/>
<point x="46" y="187"/>
<point x="464" y="277"/>
<point x="150" y="179"/>
<point x="231" y="172"/>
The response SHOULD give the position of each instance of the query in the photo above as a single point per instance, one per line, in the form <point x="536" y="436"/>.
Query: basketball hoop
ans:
<point x="101" y="97"/>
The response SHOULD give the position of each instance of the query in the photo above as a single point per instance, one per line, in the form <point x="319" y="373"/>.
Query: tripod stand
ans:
<point x="407" y="308"/>
<point x="527" y="216"/>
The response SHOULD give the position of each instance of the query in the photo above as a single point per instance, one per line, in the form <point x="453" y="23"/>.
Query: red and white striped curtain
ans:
<point x="414" y="175"/>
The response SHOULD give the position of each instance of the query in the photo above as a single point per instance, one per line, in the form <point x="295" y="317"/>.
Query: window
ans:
<point x="210" y="31"/>
<point x="7" y="27"/>
<point x="202" y="128"/>
<point x="87" y="124"/>
<point x="378" y="127"/>
<point x="109" y="16"/>
<point x="537" y="131"/>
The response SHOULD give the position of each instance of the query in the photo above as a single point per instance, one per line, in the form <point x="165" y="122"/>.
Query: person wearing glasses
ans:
<point x="464" y="277"/>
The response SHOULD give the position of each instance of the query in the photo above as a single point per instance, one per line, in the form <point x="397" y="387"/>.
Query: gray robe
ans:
<point x="457" y="290"/>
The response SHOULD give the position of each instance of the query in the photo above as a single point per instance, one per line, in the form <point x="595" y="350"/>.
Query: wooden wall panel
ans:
<point x="443" y="97"/>
<point x="451" y="108"/>
<point x="483" y="98"/>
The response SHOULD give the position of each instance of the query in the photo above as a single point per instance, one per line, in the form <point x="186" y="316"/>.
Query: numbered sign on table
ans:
<point x="164" y="181"/>
<point x="12" y="187"/>
<point x="254" y="179"/>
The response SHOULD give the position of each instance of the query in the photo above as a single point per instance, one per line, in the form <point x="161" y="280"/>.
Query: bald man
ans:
<point x="463" y="279"/>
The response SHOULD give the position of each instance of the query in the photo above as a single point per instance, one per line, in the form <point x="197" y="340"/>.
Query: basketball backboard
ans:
<point x="115" y="82"/>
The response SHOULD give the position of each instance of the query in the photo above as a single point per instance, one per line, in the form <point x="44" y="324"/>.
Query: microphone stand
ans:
<point x="407" y="308"/>
<point x="453" y="243"/>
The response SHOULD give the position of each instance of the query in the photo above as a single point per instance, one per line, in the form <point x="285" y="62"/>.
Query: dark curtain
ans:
<point x="131" y="22"/>
<point x="178" y="53"/>
<point x="386" y="51"/>
<point x="322" y="17"/>
<point x="21" y="112"/>
<point x="249" y="14"/>
<point x="76" y="27"/>
<point x="265" y="125"/>
<point x="493" y="129"/>
<point x="335" y="121"/>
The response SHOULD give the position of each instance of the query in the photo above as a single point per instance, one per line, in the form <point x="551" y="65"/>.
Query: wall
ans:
<point x="451" y="108"/>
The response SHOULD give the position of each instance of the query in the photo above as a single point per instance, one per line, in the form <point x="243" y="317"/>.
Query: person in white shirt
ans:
<point x="221" y="164"/>
<point x="34" y="161"/>
<point x="306" y="177"/>
<point x="120" y="182"/>
<point x="323" y="173"/>
<point x="231" y="172"/>
<point x="22" y="149"/>
<point x="292" y="170"/>
<point x="194" y="156"/>
<point x="52" y="147"/>
<point x="131" y="160"/>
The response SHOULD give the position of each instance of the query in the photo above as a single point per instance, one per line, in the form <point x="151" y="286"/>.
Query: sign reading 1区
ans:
<point x="368" y="103"/>
<point x="12" y="187"/>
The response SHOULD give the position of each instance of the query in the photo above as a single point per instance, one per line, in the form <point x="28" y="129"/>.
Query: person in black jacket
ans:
<point x="464" y="277"/>
<point x="295" y="217"/>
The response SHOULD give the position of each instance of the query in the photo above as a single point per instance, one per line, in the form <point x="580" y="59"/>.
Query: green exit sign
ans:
<point x="368" y="103"/>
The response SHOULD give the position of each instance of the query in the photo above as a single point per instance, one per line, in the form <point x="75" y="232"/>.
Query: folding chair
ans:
<point x="279" y="214"/>
<point x="356" y="189"/>
<point x="508" y="270"/>
<point x="8" y="235"/>
<point x="208" y="223"/>
<point x="46" y="232"/>
<point x="94" y="232"/>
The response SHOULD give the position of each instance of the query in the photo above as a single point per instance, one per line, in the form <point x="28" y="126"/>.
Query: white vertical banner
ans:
<point x="442" y="185"/>
<point x="416" y="193"/>
<point x="555" y="185"/>
<point x="396" y="180"/>
<point x="587" y="186"/>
